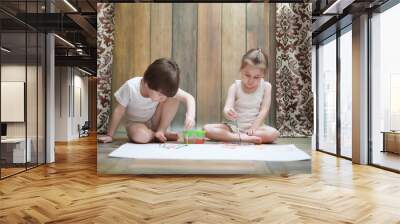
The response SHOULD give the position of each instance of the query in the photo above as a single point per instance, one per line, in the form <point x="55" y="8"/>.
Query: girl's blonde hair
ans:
<point x="257" y="58"/>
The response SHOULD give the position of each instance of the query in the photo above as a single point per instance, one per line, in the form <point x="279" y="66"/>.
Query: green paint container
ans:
<point x="194" y="136"/>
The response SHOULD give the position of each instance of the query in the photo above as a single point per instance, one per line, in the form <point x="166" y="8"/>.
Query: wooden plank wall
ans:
<point x="132" y="42"/>
<point x="270" y="30"/>
<point x="255" y="26"/>
<point x="233" y="43"/>
<point x="207" y="40"/>
<point x="161" y="31"/>
<point x="209" y="64"/>
<point x="184" y="51"/>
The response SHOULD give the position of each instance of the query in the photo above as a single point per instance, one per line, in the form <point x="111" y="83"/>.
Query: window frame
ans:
<point x="378" y="10"/>
<point x="334" y="37"/>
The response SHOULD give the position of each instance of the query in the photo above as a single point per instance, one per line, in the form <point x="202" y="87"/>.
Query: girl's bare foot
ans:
<point x="171" y="136"/>
<point x="251" y="139"/>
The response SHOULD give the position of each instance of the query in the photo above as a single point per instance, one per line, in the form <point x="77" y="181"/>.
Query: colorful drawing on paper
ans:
<point x="172" y="146"/>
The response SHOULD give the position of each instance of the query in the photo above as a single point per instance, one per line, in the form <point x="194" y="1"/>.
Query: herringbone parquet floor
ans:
<point x="70" y="191"/>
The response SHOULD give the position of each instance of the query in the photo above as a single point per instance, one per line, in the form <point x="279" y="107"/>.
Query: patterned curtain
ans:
<point x="293" y="69"/>
<point x="105" y="43"/>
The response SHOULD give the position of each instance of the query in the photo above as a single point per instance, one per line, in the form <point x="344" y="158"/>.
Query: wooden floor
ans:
<point x="386" y="159"/>
<point x="10" y="171"/>
<point x="70" y="191"/>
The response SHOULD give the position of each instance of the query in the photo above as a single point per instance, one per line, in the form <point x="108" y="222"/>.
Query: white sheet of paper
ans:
<point x="211" y="152"/>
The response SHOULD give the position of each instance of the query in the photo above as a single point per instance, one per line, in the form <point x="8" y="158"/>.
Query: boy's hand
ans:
<point x="160" y="136"/>
<point x="231" y="114"/>
<point x="105" y="138"/>
<point x="189" y="122"/>
<point x="250" y="131"/>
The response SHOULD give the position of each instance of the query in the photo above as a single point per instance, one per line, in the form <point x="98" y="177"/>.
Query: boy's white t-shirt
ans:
<point x="138" y="108"/>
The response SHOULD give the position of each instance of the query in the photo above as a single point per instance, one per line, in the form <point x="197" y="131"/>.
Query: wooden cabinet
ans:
<point x="391" y="141"/>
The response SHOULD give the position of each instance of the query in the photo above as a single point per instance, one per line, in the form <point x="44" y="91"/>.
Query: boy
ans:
<point x="149" y="104"/>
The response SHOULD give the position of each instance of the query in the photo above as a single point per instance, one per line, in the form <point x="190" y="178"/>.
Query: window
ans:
<point x="385" y="85"/>
<point x="346" y="92"/>
<point x="329" y="112"/>
<point x="327" y="95"/>
<point x="22" y="66"/>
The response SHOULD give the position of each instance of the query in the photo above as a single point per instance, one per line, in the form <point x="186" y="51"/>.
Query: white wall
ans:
<point x="79" y="117"/>
<point x="12" y="73"/>
<point x="70" y="84"/>
<point x="33" y="126"/>
<point x="61" y="103"/>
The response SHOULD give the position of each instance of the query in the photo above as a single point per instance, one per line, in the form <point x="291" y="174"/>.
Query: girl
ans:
<point x="247" y="105"/>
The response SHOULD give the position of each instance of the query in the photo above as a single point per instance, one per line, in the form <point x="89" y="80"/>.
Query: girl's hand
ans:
<point x="231" y="114"/>
<point x="160" y="136"/>
<point x="189" y="122"/>
<point x="250" y="131"/>
<point x="105" y="138"/>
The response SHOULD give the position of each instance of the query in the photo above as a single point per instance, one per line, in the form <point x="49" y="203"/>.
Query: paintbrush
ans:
<point x="238" y="131"/>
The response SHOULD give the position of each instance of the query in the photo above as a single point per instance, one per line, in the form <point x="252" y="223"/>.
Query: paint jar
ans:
<point x="194" y="136"/>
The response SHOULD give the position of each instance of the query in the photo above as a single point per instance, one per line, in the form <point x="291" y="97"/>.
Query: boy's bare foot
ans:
<point x="104" y="139"/>
<point x="171" y="136"/>
<point x="251" y="139"/>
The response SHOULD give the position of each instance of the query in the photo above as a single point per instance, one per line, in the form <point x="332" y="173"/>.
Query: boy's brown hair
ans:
<point x="255" y="57"/>
<point x="163" y="76"/>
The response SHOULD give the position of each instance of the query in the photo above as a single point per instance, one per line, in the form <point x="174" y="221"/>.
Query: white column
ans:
<point x="50" y="94"/>
<point x="360" y="90"/>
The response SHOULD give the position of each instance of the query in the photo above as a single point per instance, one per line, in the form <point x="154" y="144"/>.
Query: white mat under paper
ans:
<point x="211" y="152"/>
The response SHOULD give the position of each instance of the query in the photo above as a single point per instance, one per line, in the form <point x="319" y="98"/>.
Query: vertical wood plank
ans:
<point x="132" y="42"/>
<point x="140" y="39"/>
<point x="233" y="44"/>
<point x="119" y="68"/>
<point x="258" y="33"/>
<point x="209" y="63"/>
<point x="161" y="31"/>
<point x="184" y="52"/>
<point x="255" y="26"/>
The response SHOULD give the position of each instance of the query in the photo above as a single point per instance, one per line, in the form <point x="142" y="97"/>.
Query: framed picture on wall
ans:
<point x="12" y="101"/>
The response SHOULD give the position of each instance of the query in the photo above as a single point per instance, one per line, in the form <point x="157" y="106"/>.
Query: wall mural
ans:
<point x="294" y="100"/>
<point x="293" y="70"/>
<point x="105" y="43"/>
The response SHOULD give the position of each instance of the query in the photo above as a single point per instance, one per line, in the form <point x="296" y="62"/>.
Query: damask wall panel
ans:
<point x="105" y="44"/>
<point x="293" y="69"/>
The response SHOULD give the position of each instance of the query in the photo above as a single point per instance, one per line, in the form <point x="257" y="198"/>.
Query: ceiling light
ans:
<point x="328" y="10"/>
<point x="86" y="72"/>
<point x="70" y="5"/>
<point x="64" y="40"/>
<point x="5" y="50"/>
<point x="338" y="6"/>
